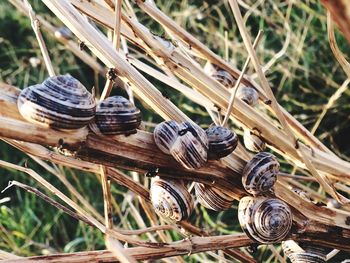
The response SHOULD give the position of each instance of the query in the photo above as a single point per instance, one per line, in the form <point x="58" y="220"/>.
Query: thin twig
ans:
<point x="238" y="82"/>
<point x="106" y="198"/>
<point x="36" y="27"/>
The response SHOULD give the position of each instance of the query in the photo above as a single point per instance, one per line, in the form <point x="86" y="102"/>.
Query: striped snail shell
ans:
<point x="220" y="75"/>
<point x="191" y="146"/>
<point x="60" y="102"/>
<point x="116" y="115"/>
<point x="265" y="220"/>
<point x="304" y="253"/>
<point x="63" y="33"/>
<point x="222" y="142"/>
<point x="260" y="173"/>
<point x="212" y="197"/>
<point x="165" y="134"/>
<point x="170" y="199"/>
<point x="248" y="94"/>
<point x="253" y="142"/>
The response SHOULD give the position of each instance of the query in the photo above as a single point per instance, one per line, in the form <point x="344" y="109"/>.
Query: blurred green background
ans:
<point x="303" y="77"/>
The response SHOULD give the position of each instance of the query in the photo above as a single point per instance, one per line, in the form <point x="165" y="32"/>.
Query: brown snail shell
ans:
<point x="260" y="173"/>
<point x="248" y="94"/>
<point x="165" y="134"/>
<point x="170" y="199"/>
<point x="220" y="75"/>
<point x="222" y="142"/>
<point x="212" y="197"/>
<point x="191" y="146"/>
<point x="253" y="142"/>
<point x="265" y="220"/>
<point x="304" y="253"/>
<point x="116" y="115"/>
<point x="60" y="102"/>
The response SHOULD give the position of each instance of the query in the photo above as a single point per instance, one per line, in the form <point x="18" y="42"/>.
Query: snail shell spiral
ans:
<point x="191" y="146"/>
<point x="60" y="102"/>
<point x="116" y="115"/>
<point x="265" y="220"/>
<point x="248" y="94"/>
<point x="253" y="142"/>
<point x="170" y="199"/>
<point x="304" y="253"/>
<point x="260" y="173"/>
<point x="212" y="197"/>
<point x="220" y="75"/>
<point x="165" y="134"/>
<point x="222" y="142"/>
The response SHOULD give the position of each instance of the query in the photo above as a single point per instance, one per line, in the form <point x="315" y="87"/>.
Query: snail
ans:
<point x="170" y="199"/>
<point x="260" y="173"/>
<point x="165" y="134"/>
<point x="253" y="142"/>
<point x="248" y="94"/>
<point x="60" y="102"/>
<point x="116" y="115"/>
<point x="220" y="75"/>
<point x="191" y="146"/>
<point x="63" y="33"/>
<point x="304" y="253"/>
<point x="222" y="142"/>
<point x="332" y="203"/>
<point x="212" y="197"/>
<point x="265" y="220"/>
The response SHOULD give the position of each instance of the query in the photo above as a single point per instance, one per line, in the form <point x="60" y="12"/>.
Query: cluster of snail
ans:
<point x="264" y="219"/>
<point x="63" y="103"/>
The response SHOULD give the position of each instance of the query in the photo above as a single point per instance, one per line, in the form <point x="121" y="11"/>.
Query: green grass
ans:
<point x="303" y="79"/>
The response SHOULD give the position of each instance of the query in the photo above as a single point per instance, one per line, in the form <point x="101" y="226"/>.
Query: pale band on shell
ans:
<point x="253" y="142"/>
<point x="165" y="134"/>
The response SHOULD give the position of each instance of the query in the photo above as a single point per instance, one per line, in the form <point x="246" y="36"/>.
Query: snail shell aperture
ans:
<point x="116" y="115"/>
<point x="212" y="197"/>
<point x="60" y="102"/>
<point x="191" y="146"/>
<point x="170" y="199"/>
<point x="222" y="142"/>
<point x="253" y="142"/>
<point x="260" y="173"/>
<point x="165" y="134"/>
<point x="248" y="94"/>
<point x="265" y="220"/>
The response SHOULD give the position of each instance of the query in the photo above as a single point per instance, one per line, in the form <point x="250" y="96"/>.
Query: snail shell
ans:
<point x="63" y="33"/>
<point x="332" y="203"/>
<point x="212" y="197"/>
<point x="220" y="75"/>
<point x="60" y="102"/>
<point x="304" y="253"/>
<point x="260" y="173"/>
<point x="253" y="142"/>
<point x="222" y="142"/>
<point x="116" y="115"/>
<point x="170" y="199"/>
<point x="265" y="220"/>
<point x="248" y="94"/>
<point x="165" y="134"/>
<point x="191" y="146"/>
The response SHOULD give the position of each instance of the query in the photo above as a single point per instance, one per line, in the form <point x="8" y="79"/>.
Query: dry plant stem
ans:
<point x="48" y="200"/>
<point x="335" y="49"/>
<point x="192" y="245"/>
<point x="36" y="27"/>
<point x="238" y="82"/>
<point x="323" y="180"/>
<point x="106" y="198"/>
<point x="70" y="44"/>
<point x="340" y="11"/>
<point x="117" y="250"/>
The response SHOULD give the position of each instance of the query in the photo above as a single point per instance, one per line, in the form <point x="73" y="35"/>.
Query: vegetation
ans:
<point x="302" y="71"/>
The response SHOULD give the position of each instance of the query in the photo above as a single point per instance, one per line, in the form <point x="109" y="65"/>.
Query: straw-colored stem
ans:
<point x="238" y="81"/>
